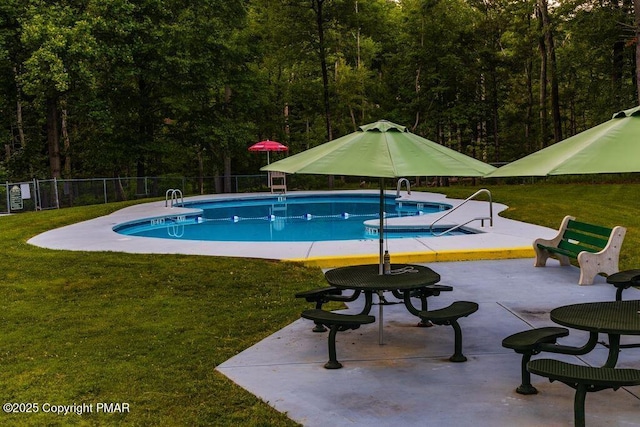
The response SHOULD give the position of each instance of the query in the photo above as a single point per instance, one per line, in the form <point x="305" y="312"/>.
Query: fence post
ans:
<point x="8" y="199"/>
<point x="104" y="189"/>
<point x="55" y="186"/>
<point x="36" y="194"/>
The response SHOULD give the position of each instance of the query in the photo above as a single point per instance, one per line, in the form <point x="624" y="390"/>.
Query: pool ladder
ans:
<point x="173" y="194"/>
<point x="400" y="181"/>
<point x="481" y="219"/>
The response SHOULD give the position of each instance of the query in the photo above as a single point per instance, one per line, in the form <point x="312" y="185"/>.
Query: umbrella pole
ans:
<point x="381" y="268"/>
<point x="381" y="228"/>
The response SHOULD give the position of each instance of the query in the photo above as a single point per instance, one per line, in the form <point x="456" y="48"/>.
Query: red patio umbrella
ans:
<point x="268" y="146"/>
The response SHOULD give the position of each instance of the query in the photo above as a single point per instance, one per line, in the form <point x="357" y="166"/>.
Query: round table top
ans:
<point x="368" y="277"/>
<point x="627" y="277"/>
<point x="614" y="317"/>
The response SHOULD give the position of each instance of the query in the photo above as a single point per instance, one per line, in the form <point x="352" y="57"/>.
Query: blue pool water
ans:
<point x="283" y="218"/>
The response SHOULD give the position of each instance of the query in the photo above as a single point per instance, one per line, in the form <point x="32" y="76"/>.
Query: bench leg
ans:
<point x="541" y="257"/>
<point x="578" y="405"/>
<point x="457" y="355"/>
<point x="564" y="260"/>
<point x="592" y="264"/>
<point x="526" y="387"/>
<point x="333" y="361"/>
<point x="588" y="271"/>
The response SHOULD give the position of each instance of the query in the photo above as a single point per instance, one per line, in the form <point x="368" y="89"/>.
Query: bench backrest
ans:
<point x="580" y="236"/>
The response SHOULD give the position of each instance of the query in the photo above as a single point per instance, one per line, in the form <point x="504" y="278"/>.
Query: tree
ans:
<point x="59" y="43"/>
<point x="122" y="87"/>
<point x="636" y="8"/>
<point x="548" y="74"/>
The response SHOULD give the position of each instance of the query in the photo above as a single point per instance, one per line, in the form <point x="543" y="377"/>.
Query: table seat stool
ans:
<point x="583" y="379"/>
<point x="336" y="322"/>
<point x="319" y="295"/>
<point x="431" y="291"/>
<point x="423" y="293"/>
<point x="624" y="280"/>
<point x="449" y="316"/>
<point x="323" y="295"/>
<point x="527" y="343"/>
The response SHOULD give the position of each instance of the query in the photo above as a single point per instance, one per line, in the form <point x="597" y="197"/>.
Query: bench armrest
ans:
<point x="556" y="240"/>
<point x="605" y="261"/>
<point x="541" y="254"/>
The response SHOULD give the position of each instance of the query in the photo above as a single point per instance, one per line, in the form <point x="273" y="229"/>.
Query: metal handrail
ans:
<point x="173" y="194"/>
<point x="400" y="186"/>
<point x="482" y="219"/>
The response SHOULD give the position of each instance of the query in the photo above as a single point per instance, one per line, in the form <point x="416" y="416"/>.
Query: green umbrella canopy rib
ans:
<point x="611" y="147"/>
<point x="382" y="149"/>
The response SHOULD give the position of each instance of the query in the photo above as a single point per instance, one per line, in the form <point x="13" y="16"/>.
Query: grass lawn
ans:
<point x="148" y="330"/>
<point x="547" y="204"/>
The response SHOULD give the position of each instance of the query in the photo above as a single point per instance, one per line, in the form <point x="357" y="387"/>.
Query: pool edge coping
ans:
<point x="505" y="239"/>
<point x="418" y="257"/>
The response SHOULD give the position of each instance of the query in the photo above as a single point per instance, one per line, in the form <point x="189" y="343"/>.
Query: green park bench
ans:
<point x="596" y="248"/>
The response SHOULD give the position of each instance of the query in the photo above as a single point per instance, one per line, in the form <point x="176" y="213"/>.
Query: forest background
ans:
<point x="111" y="88"/>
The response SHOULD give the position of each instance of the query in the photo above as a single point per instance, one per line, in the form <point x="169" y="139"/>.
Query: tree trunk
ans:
<point x="19" y="120"/>
<point x="227" y="173"/>
<point x="353" y="118"/>
<point x="636" y="8"/>
<point x="217" y="181"/>
<point x="417" y="80"/>
<point x="543" y="77"/>
<point x="140" y="173"/>
<point x="287" y="130"/>
<point x="317" y="5"/>
<point x="53" y="136"/>
<point x="227" y="145"/>
<point x="617" y="71"/>
<point x="66" y="141"/>
<point x="200" y="172"/>
<point x="120" y="194"/>
<point x="553" y="77"/>
<point x="495" y="114"/>
<point x="529" y="113"/>
<point x="417" y="89"/>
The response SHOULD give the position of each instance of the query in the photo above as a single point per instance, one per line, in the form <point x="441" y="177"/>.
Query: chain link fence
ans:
<point x="41" y="194"/>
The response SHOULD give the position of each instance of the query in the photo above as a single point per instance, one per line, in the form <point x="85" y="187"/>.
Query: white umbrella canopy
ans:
<point x="383" y="150"/>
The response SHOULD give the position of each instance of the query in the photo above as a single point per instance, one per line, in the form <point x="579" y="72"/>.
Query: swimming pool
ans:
<point x="285" y="218"/>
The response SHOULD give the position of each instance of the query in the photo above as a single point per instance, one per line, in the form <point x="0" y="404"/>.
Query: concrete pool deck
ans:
<point x="505" y="239"/>
<point x="409" y="380"/>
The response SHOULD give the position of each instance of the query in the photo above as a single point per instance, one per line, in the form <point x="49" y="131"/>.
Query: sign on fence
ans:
<point x="15" y="197"/>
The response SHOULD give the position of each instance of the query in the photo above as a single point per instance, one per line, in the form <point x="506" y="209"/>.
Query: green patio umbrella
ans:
<point x="381" y="150"/>
<point x="610" y="147"/>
